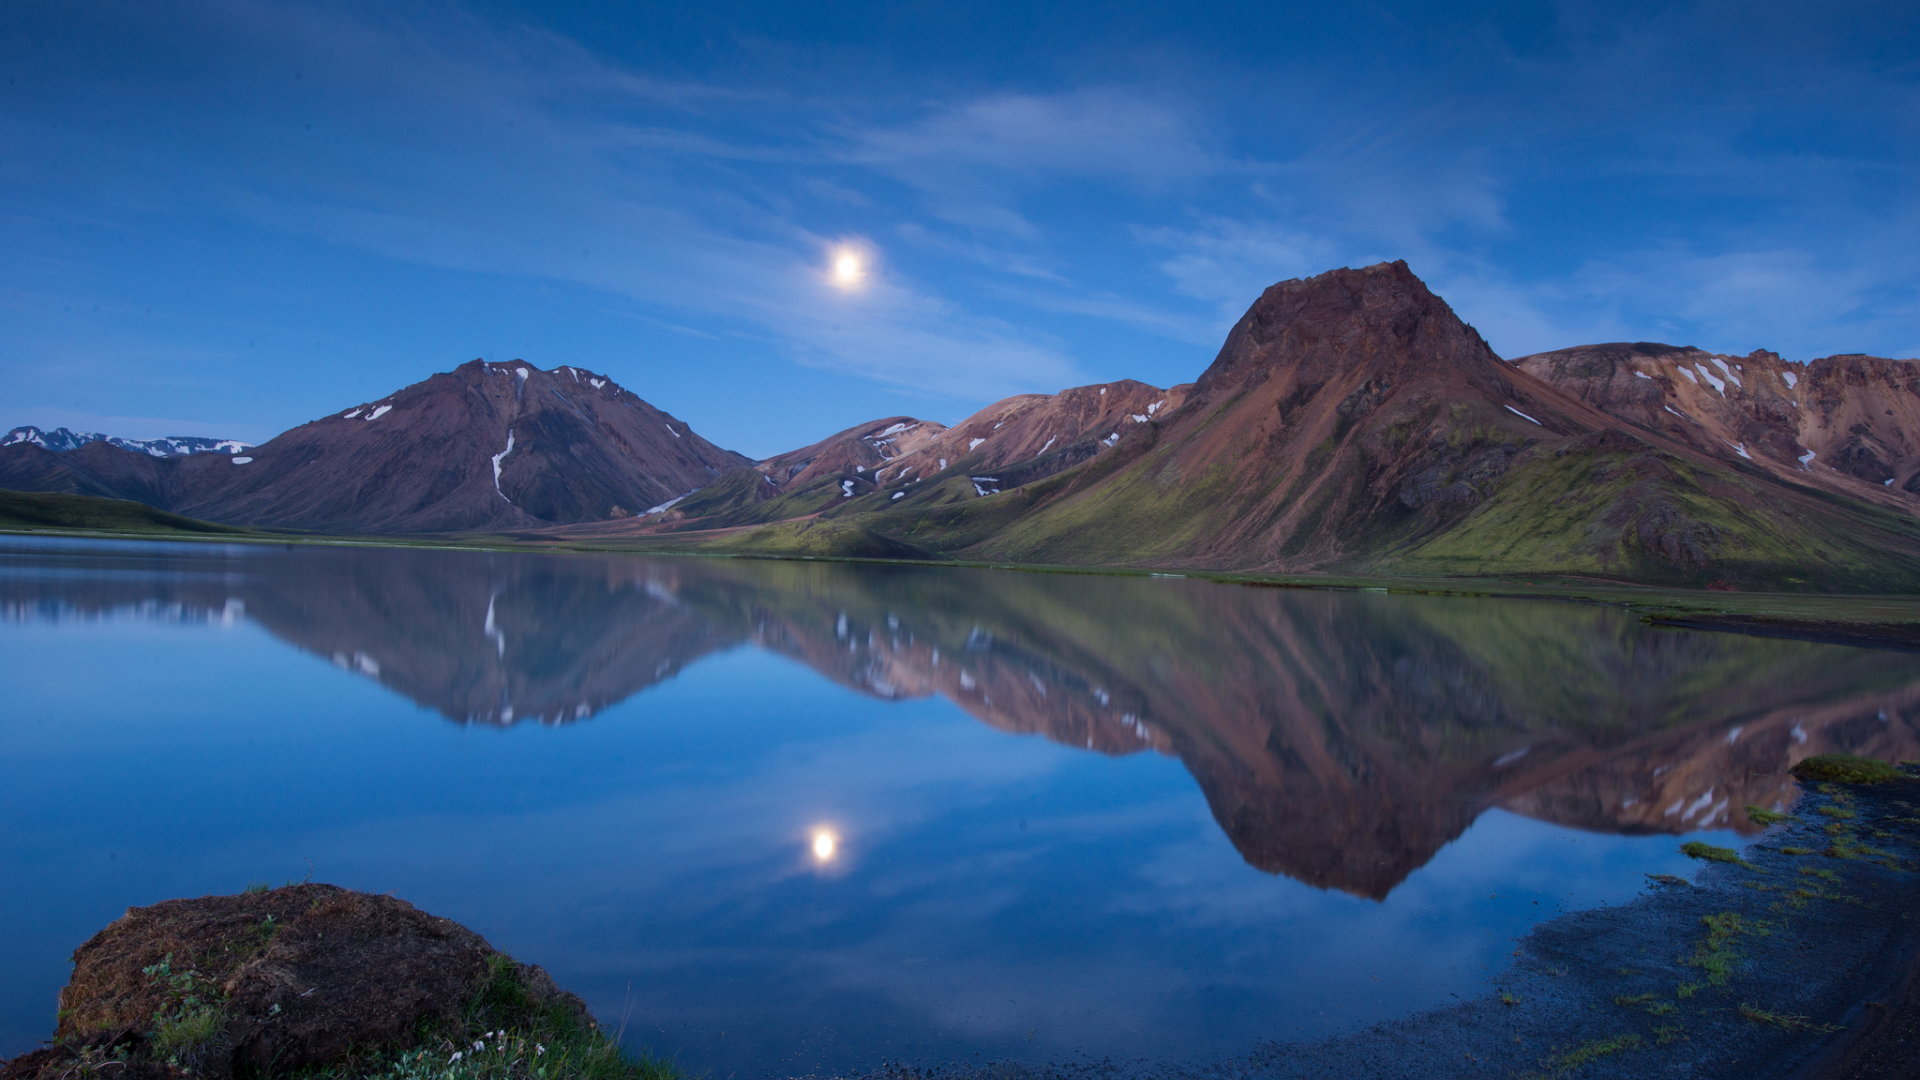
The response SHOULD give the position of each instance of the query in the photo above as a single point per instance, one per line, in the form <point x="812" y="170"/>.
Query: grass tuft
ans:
<point x="1846" y="769"/>
<point x="1588" y="1052"/>
<point x="1757" y="1015"/>
<point x="1764" y="817"/>
<point x="1695" y="849"/>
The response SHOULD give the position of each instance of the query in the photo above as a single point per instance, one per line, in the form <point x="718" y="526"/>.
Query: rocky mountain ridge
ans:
<point x="60" y="439"/>
<point x="1848" y="424"/>
<point x="1350" y="423"/>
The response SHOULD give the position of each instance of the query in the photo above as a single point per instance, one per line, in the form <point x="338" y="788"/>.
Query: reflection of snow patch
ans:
<point x="1508" y="759"/>
<point x="966" y="681"/>
<point x="1734" y="735"/>
<point x="1697" y="805"/>
<point x="492" y="631"/>
<point x="1799" y="733"/>
<point x="1521" y="415"/>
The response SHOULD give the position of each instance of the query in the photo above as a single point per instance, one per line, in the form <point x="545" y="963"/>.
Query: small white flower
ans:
<point x="454" y="1058"/>
<point x="538" y="1049"/>
<point x="479" y="1046"/>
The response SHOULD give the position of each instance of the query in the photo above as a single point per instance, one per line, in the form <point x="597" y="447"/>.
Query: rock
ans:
<point x="268" y="982"/>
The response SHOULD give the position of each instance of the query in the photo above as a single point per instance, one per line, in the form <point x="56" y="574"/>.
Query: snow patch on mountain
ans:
<point x="496" y="466"/>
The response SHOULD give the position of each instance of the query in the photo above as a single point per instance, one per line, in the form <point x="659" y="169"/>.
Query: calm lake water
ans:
<point x="1072" y="816"/>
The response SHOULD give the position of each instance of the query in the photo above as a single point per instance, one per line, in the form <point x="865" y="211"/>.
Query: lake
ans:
<point x="780" y="818"/>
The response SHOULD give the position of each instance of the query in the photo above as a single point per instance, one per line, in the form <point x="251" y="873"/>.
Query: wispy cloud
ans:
<point x="1630" y="176"/>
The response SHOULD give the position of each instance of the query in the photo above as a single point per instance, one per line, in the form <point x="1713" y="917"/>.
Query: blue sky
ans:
<point x="230" y="217"/>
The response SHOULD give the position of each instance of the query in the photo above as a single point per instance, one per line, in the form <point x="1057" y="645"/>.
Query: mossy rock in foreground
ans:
<point x="1846" y="769"/>
<point x="315" y="981"/>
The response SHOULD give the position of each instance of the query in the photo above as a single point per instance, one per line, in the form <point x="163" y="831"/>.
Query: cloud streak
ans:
<point x="1627" y="176"/>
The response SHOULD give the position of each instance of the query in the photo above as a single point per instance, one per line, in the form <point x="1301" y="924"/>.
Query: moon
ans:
<point x="848" y="269"/>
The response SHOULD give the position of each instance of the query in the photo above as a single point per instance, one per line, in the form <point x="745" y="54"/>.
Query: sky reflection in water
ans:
<point x="1251" y="813"/>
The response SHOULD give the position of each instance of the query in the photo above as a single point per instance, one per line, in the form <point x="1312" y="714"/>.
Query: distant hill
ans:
<point x="34" y="511"/>
<point x="62" y="439"/>
<point x="1011" y="442"/>
<point x="486" y="447"/>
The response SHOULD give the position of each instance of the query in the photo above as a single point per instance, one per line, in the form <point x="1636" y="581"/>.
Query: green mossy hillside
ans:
<point x="30" y="511"/>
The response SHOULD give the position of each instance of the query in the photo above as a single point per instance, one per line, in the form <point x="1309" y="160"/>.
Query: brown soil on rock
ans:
<point x="306" y="975"/>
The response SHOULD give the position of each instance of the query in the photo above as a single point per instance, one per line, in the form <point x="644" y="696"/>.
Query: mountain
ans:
<point x="1848" y="424"/>
<point x="488" y="446"/>
<point x="800" y="483"/>
<point x="1011" y="442"/>
<point x="62" y="439"/>
<point x="1032" y="436"/>
<point x="1353" y="423"/>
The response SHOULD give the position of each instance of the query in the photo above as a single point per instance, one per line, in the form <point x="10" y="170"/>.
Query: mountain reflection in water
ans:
<point x="1340" y="738"/>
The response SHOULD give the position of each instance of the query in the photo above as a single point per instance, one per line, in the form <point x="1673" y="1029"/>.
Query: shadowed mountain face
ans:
<point x="1339" y="738"/>
<point x="486" y="446"/>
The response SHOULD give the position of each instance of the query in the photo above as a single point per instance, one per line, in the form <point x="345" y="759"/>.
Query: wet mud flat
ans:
<point x="1788" y="959"/>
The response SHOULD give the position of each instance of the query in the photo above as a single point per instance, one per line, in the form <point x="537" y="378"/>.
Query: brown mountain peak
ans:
<point x="1382" y="317"/>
